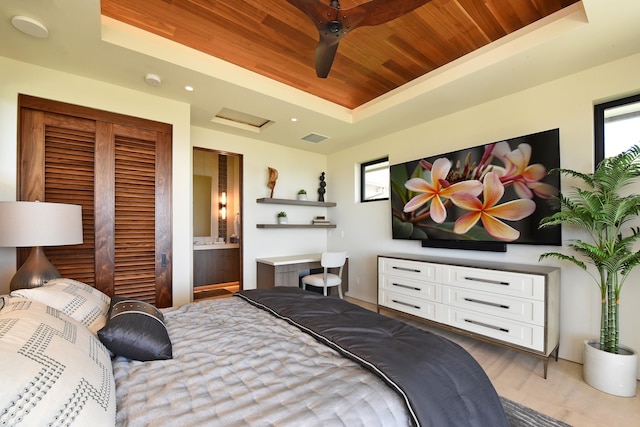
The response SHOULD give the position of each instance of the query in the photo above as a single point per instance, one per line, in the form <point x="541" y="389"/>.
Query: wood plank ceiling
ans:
<point x="274" y="39"/>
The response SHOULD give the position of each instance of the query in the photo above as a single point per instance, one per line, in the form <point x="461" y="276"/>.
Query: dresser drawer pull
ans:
<point x="407" y="304"/>
<point x="492" y="304"/>
<point x="413" y="288"/>
<point x="486" y="325"/>
<point x="493" y="282"/>
<point x="413" y="270"/>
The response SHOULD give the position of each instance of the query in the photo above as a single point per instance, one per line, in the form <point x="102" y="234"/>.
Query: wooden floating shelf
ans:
<point x="295" y="226"/>
<point x="294" y="202"/>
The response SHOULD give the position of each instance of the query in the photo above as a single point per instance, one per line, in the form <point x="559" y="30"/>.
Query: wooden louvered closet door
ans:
<point x="119" y="169"/>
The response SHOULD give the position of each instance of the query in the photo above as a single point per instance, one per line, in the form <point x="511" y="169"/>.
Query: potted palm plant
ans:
<point x="603" y="210"/>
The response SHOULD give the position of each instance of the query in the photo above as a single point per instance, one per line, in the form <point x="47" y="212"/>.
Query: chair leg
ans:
<point x="325" y="291"/>
<point x="340" y="291"/>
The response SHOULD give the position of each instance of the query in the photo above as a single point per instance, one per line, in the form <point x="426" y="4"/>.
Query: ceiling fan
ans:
<point x="333" y="23"/>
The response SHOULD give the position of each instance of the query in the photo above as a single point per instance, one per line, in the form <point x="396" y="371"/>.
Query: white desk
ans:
<point x="285" y="270"/>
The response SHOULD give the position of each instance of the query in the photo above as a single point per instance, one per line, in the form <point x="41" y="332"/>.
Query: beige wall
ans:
<point x="365" y="229"/>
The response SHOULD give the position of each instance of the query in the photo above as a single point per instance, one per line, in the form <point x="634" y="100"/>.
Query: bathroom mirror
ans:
<point x="202" y="206"/>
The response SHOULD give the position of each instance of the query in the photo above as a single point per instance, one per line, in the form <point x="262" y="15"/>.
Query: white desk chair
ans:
<point x="326" y="279"/>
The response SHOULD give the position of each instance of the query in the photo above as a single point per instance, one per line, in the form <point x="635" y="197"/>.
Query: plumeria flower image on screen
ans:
<point x="492" y="192"/>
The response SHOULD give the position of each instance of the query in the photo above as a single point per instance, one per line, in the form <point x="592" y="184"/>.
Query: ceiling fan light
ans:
<point x="334" y="26"/>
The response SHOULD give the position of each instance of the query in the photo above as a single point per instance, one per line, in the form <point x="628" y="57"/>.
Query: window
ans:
<point x="374" y="180"/>
<point x="617" y="126"/>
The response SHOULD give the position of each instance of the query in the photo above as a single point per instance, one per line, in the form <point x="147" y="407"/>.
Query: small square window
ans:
<point x="374" y="180"/>
<point x="617" y="126"/>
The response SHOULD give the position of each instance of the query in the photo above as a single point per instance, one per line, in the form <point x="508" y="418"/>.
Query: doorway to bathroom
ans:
<point x="217" y="223"/>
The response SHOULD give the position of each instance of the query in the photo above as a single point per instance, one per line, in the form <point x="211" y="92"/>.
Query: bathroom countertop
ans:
<point x="209" y="246"/>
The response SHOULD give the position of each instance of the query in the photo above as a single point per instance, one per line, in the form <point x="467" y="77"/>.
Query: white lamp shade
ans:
<point x="26" y="224"/>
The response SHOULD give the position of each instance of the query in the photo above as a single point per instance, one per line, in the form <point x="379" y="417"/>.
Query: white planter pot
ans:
<point x="282" y="220"/>
<point x="610" y="372"/>
<point x="302" y="197"/>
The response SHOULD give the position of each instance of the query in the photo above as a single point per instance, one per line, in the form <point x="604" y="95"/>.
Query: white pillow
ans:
<point x="54" y="370"/>
<point x="76" y="299"/>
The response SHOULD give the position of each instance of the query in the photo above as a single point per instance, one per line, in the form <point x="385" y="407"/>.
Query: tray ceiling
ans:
<point x="276" y="40"/>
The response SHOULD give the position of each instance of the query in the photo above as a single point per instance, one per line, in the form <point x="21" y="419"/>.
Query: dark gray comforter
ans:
<point x="440" y="382"/>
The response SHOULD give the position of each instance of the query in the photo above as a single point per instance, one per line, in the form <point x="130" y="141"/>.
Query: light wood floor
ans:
<point x="563" y="395"/>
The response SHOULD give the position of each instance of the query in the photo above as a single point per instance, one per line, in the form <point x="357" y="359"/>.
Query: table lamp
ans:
<point x="38" y="224"/>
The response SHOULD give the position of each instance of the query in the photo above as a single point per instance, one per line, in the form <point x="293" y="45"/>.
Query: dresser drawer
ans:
<point x="410" y="269"/>
<point x="421" y="308"/>
<point x="500" y="282"/>
<point x="522" y="310"/>
<point x="521" y="334"/>
<point x="411" y="288"/>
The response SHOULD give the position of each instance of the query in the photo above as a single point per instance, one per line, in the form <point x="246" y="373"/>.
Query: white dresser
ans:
<point x="514" y="305"/>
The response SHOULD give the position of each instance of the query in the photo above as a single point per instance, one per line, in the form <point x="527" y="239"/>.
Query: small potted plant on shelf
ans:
<point x="282" y="217"/>
<point x="302" y="194"/>
<point x="603" y="209"/>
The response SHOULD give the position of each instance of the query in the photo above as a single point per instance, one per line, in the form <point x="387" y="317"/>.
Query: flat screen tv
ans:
<point x="479" y="198"/>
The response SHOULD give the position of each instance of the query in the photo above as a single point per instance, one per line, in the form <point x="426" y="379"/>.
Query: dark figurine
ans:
<point x="321" y="190"/>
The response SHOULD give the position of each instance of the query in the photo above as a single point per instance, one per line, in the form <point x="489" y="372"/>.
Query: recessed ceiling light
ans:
<point x="294" y="119"/>
<point x="188" y="88"/>
<point x="30" y="26"/>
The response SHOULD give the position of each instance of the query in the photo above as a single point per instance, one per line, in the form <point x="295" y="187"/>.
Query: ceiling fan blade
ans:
<point x="325" y="54"/>
<point x="334" y="23"/>
<point x="326" y="19"/>
<point x="376" y="12"/>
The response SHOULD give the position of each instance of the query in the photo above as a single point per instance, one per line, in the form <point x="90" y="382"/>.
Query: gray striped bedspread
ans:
<point x="237" y="365"/>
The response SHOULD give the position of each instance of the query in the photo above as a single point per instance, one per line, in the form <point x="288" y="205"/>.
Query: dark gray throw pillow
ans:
<point x="136" y="330"/>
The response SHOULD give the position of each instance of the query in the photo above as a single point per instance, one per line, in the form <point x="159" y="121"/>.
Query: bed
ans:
<point x="281" y="356"/>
